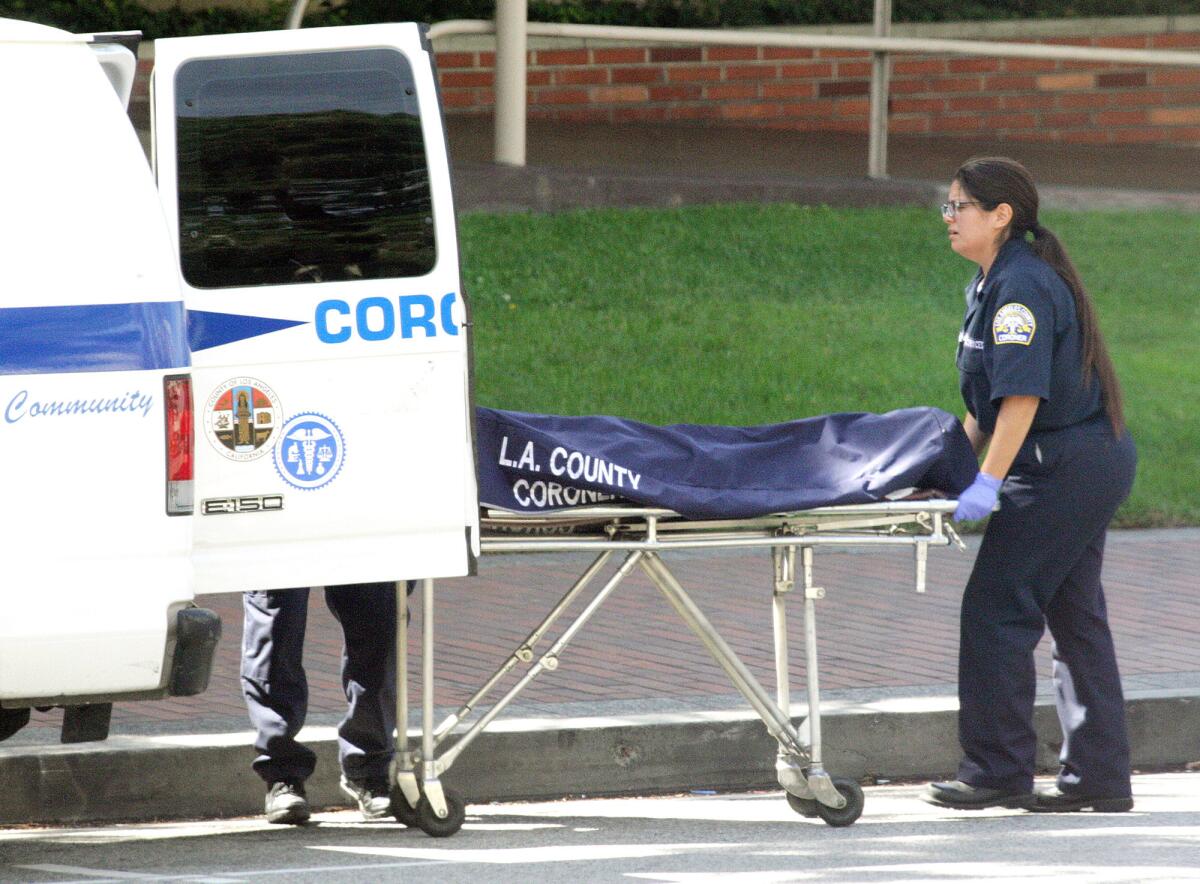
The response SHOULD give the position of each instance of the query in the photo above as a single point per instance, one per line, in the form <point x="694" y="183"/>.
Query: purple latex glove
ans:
<point x="979" y="499"/>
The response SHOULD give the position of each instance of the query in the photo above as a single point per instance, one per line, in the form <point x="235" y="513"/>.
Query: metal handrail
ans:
<point x="295" y="14"/>
<point x="879" y="45"/>
<point x="920" y="45"/>
<point x="881" y="69"/>
<point x="510" y="60"/>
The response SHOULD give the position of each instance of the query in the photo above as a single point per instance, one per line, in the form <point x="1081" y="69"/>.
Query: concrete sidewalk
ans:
<point x="637" y="705"/>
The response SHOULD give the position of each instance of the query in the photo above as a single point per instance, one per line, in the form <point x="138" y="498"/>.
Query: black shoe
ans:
<point x="1055" y="800"/>
<point x="960" y="796"/>
<point x="373" y="797"/>
<point x="287" y="804"/>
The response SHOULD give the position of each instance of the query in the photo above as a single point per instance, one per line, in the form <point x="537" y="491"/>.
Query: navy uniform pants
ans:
<point x="1038" y="566"/>
<point x="276" y="689"/>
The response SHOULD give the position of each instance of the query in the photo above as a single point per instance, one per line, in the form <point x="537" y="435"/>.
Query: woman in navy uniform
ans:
<point x="1043" y="401"/>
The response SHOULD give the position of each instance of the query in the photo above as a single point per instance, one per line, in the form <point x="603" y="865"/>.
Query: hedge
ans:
<point x="109" y="15"/>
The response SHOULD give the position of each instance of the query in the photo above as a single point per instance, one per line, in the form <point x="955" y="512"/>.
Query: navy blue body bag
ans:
<point x="541" y="463"/>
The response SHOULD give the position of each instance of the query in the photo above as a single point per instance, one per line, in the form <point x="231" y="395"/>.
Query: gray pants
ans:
<point x="276" y="689"/>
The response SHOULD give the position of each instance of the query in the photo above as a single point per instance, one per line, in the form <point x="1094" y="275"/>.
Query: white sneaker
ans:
<point x="372" y="797"/>
<point x="286" y="804"/>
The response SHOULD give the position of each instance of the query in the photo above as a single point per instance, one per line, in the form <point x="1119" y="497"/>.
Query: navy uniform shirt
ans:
<point x="1020" y="337"/>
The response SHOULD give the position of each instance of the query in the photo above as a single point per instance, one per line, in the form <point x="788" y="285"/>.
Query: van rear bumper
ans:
<point x="196" y="633"/>
<point x="190" y="653"/>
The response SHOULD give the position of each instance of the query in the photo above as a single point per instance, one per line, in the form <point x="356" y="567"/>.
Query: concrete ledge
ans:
<point x="1093" y="198"/>
<point x="491" y="188"/>
<point x="484" y="187"/>
<point x="160" y="777"/>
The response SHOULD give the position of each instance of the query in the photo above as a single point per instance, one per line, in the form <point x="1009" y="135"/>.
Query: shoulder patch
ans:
<point x="1014" y="324"/>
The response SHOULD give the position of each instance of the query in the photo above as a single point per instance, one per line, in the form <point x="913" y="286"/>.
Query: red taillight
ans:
<point x="181" y="443"/>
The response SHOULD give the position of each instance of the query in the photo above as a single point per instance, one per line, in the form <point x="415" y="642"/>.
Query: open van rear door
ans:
<point x="305" y="179"/>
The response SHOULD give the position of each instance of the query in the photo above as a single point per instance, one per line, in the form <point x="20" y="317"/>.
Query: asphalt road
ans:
<point x="746" y="837"/>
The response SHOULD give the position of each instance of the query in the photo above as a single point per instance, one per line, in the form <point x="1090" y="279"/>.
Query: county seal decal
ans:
<point x="310" y="451"/>
<point x="241" y="418"/>
<point x="1014" y="324"/>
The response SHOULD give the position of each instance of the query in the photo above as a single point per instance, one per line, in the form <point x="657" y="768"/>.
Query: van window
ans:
<point x="301" y="168"/>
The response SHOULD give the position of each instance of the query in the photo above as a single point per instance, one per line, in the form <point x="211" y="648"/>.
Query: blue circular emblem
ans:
<point x="310" y="451"/>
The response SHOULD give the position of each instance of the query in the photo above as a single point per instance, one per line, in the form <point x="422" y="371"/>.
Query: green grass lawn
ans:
<point x="755" y="314"/>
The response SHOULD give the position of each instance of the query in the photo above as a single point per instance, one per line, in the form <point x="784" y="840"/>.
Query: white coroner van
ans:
<point x="255" y="376"/>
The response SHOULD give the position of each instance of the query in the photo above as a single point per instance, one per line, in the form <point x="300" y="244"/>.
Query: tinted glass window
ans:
<point x="301" y="168"/>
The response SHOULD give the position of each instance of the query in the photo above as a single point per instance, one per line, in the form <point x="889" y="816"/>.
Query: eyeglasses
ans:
<point x="952" y="208"/>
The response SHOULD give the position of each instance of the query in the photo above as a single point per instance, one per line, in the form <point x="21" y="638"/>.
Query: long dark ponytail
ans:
<point x="996" y="180"/>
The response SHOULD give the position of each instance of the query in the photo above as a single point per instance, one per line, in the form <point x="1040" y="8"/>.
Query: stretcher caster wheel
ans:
<point x="803" y="806"/>
<point x="403" y="811"/>
<point x="436" y="827"/>
<point x="843" y="816"/>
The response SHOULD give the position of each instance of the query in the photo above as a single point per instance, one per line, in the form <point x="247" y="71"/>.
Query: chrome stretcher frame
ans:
<point x="642" y="534"/>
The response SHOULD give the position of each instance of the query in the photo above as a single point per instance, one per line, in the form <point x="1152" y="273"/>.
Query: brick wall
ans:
<point x="1019" y="99"/>
<point x="827" y="90"/>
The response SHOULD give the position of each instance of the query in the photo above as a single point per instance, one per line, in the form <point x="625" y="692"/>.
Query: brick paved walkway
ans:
<point x="874" y="631"/>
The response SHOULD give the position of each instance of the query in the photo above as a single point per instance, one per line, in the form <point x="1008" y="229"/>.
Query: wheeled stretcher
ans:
<point x="642" y="536"/>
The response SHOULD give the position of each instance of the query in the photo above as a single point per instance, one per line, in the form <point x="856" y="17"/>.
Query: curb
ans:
<point x="485" y="187"/>
<point x="166" y="777"/>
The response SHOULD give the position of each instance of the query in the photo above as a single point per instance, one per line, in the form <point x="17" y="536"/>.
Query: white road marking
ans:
<point x="527" y="855"/>
<point x="107" y="874"/>
<point x="724" y="877"/>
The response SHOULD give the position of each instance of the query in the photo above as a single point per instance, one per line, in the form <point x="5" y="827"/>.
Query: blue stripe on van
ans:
<point x="93" y="337"/>
<point x="207" y="330"/>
